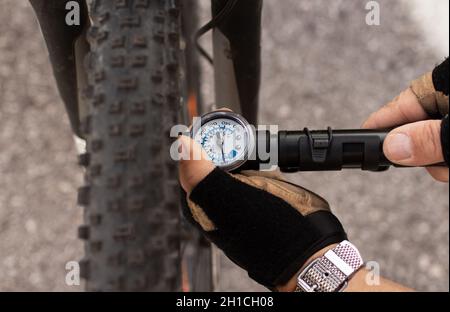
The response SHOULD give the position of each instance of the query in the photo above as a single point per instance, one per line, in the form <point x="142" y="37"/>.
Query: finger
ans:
<point x="415" y="144"/>
<point x="439" y="174"/>
<point x="403" y="109"/>
<point x="194" y="166"/>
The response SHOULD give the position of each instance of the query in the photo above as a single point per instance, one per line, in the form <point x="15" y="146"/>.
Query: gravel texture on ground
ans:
<point x="322" y="66"/>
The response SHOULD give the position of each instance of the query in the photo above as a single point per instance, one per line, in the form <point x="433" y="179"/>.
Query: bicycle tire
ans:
<point x="131" y="198"/>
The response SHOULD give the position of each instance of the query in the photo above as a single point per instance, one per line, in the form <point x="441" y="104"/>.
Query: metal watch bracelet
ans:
<point x="332" y="271"/>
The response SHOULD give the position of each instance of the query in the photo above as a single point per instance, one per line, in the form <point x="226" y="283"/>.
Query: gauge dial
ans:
<point x="226" y="138"/>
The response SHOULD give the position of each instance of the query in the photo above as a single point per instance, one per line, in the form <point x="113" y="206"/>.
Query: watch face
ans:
<point x="226" y="138"/>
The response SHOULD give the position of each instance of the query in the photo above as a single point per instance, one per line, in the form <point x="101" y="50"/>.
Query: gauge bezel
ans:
<point x="250" y="137"/>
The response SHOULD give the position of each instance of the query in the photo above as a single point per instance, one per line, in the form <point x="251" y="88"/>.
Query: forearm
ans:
<point x="357" y="283"/>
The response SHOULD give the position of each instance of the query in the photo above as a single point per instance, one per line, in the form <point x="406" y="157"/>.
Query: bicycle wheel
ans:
<point x="132" y="230"/>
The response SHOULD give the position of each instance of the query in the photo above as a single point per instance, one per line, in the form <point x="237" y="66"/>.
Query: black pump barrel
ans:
<point x="324" y="150"/>
<point x="331" y="150"/>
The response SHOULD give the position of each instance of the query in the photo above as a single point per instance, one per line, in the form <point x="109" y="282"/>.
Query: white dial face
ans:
<point x="224" y="140"/>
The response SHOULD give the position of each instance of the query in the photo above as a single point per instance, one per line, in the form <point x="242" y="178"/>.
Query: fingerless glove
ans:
<point x="265" y="225"/>
<point x="432" y="91"/>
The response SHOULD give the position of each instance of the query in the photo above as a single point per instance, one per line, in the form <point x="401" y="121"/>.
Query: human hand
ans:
<point x="417" y="140"/>
<point x="267" y="226"/>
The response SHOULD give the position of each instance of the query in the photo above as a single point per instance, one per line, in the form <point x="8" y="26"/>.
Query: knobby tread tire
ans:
<point x="131" y="200"/>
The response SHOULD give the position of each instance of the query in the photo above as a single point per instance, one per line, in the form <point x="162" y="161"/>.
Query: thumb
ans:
<point x="194" y="166"/>
<point x="415" y="144"/>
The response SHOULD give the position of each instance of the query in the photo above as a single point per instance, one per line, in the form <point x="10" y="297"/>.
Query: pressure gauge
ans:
<point x="226" y="137"/>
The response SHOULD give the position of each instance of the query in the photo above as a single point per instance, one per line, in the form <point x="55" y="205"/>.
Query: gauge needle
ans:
<point x="221" y="139"/>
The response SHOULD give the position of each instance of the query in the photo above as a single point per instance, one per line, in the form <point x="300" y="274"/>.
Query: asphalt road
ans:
<point x="322" y="66"/>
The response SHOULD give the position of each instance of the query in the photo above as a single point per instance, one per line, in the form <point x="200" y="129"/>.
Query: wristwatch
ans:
<point x="332" y="271"/>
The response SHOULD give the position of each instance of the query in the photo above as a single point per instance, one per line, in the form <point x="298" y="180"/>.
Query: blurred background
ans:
<point x="322" y="66"/>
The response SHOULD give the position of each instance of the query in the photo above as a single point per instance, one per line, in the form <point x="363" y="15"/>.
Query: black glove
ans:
<point x="267" y="226"/>
<point x="432" y="91"/>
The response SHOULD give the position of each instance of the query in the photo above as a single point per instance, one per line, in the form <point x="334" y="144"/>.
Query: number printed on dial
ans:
<point x="224" y="141"/>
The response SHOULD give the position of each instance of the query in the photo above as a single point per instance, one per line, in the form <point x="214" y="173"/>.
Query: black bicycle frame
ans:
<point x="64" y="51"/>
<point x="237" y="57"/>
